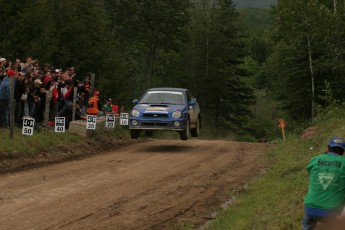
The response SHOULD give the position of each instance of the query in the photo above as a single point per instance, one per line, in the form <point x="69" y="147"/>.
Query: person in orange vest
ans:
<point x="94" y="107"/>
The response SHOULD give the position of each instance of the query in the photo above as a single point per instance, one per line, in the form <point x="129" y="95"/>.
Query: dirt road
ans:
<point x="151" y="185"/>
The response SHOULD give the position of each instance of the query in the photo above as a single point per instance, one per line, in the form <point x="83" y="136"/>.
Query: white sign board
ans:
<point x="91" y="122"/>
<point x="59" y="124"/>
<point x="110" y="120"/>
<point x="28" y="126"/>
<point x="124" y="118"/>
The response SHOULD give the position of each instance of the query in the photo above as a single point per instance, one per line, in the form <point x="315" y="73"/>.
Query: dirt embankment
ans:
<point x="61" y="153"/>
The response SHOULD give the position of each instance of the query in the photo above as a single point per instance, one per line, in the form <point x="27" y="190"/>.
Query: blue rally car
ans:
<point x="165" y="109"/>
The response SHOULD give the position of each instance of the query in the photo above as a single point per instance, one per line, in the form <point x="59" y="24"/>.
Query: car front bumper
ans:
<point x="157" y="124"/>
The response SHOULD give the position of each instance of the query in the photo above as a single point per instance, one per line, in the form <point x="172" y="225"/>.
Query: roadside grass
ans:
<point x="275" y="199"/>
<point x="30" y="146"/>
<point x="33" y="146"/>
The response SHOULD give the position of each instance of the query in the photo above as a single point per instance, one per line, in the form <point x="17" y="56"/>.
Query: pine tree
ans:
<point x="224" y="95"/>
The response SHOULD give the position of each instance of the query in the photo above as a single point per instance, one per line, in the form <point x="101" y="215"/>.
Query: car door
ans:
<point x="193" y="108"/>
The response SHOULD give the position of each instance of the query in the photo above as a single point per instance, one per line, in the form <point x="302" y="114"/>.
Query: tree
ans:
<point x="297" y="65"/>
<point x="218" y="47"/>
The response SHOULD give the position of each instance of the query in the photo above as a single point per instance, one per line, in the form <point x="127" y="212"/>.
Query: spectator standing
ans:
<point x="62" y="88"/>
<point x="326" y="194"/>
<point x="25" y="96"/>
<point x="32" y="98"/>
<point x="47" y="80"/>
<point x="16" y="66"/>
<point x="67" y="109"/>
<point x="3" y="65"/>
<point x="19" y="90"/>
<point x="72" y="72"/>
<point x="39" y="96"/>
<point x="87" y="81"/>
<point x="27" y="66"/>
<point x="5" y="98"/>
<point x="85" y="97"/>
<point x="2" y="74"/>
<point x="41" y="104"/>
<point x="32" y="75"/>
<point x="54" y="89"/>
<point x="36" y="64"/>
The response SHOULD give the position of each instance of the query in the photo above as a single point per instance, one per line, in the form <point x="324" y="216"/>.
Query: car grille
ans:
<point x="153" y="115"/>
<point x="151" y="124"/>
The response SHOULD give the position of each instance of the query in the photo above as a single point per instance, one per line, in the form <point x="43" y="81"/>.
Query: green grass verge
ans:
<point x="32" y="146"/>
<point x="275" y="199"/>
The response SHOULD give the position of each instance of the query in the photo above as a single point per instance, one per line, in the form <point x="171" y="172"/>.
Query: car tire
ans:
<point x="185" y="133"/>
<point x="149" y="133"/>
<point x="134" y="134"/>
<point x="195" y="132"/>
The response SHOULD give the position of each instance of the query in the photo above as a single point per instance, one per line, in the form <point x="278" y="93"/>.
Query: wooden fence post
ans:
<point x="47" y="109"/>
<point x="74" y="102"/>
<point x="12" y="105"/>
<point x="92" y="83"/>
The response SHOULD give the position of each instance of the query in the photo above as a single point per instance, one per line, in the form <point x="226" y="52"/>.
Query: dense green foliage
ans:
<point x="307" y="56"/>
<point x="284" y="62"/>
<point x="132" y="45"/>
<point x="254" y="3"/>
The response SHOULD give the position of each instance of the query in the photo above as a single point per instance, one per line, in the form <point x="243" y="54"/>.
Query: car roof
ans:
<point x="168" y="89"/>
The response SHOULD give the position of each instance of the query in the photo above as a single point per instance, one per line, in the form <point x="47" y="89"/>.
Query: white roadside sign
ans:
<point x="110" y="120"/>
<point x="91" y="122"/>
<point x="124" y="118"/>
<point x="60" y="124"/>
<point x="28" y="126"/>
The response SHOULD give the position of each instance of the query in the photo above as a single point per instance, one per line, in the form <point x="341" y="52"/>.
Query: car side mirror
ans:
<point x="192" y="102"/>
<point x="135" y="101"/>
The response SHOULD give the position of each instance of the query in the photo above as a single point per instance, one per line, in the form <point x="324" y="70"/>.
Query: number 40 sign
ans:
<point x="59" y="124"/>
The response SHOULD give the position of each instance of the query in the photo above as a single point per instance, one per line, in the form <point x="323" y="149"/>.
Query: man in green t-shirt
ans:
<point x="107" y="107"/>
<point x="326" y="194"/>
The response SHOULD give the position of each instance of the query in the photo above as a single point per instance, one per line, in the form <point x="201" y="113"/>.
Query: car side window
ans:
<point x="189" y="96"/>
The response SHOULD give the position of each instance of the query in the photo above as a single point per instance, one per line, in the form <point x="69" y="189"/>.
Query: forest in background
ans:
<point x="254" y="3"/>
<point x="247" y="67"/>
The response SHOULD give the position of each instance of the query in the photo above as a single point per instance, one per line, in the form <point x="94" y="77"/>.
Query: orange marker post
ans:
<point x="282" y="126"/>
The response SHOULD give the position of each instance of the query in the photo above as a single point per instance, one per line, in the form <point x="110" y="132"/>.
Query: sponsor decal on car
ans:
<point x="160" y="109"/>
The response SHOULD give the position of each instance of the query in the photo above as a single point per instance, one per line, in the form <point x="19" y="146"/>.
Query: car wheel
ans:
<point x="134" y="134"/>
<point x="185" y="133"/>
<point x="149" y="133"/>
<point x="195" y="132"/>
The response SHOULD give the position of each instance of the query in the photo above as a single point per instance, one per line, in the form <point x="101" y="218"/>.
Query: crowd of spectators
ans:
<point x="33" y="83"/>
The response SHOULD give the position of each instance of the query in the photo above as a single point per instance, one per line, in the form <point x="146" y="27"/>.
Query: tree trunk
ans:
<point x="311" y="66"/>
<point x="150" y="64"/>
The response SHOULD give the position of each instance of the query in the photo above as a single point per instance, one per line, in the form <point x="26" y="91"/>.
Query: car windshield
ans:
<point x="163" y="97"/>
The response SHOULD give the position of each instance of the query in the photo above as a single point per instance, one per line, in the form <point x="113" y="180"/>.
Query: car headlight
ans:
<point x="176" y="114"/>
<point x="135" y="113"/>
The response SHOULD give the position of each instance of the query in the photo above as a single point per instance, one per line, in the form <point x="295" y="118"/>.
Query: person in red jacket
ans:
<point x="94" y="106"/>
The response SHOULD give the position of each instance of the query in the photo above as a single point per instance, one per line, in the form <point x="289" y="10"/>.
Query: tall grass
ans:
<point x="275" y="199"/>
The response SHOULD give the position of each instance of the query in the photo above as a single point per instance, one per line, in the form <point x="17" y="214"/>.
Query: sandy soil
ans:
<point x="150" y="185"/>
